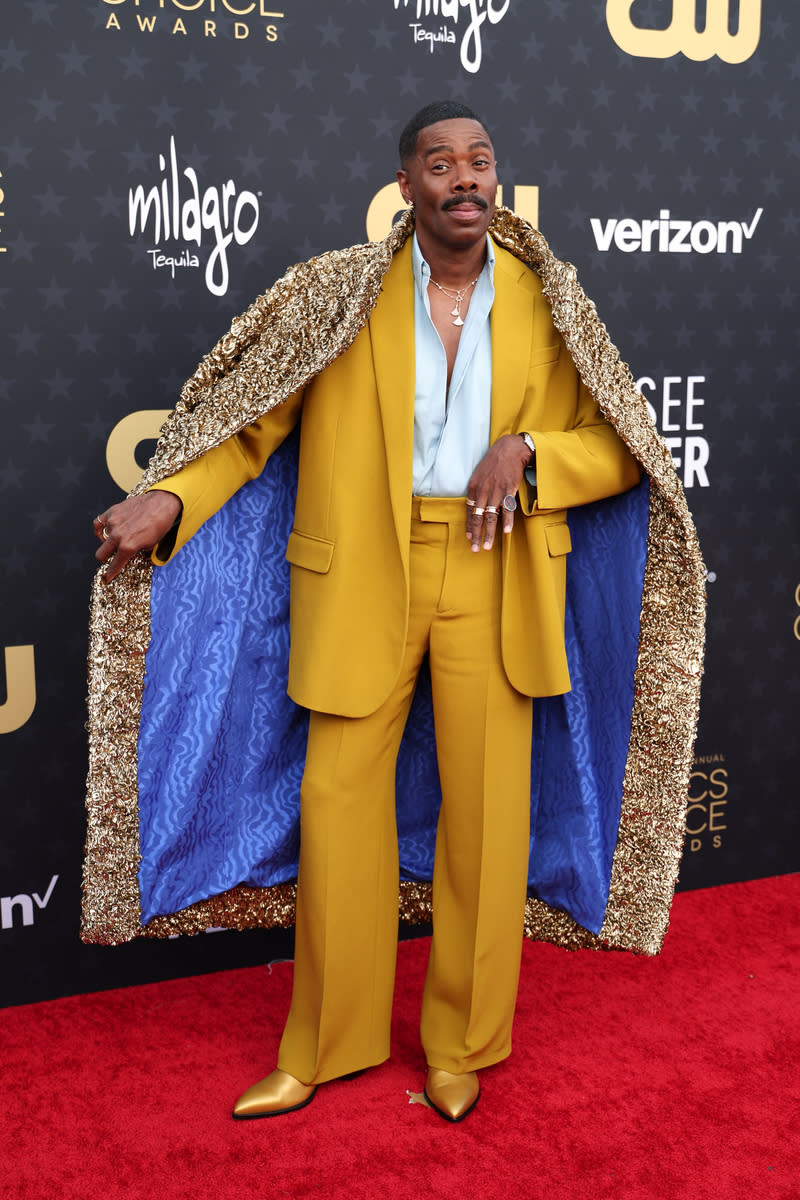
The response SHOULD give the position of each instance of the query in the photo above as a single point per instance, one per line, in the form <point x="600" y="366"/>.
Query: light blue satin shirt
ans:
<point x="451" y="429"/>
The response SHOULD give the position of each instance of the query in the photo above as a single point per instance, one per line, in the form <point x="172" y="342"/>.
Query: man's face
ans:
<point x="452" y="182"/>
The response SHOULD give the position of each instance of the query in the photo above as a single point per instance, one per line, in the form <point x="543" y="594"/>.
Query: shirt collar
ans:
<point x="422" y="272"/>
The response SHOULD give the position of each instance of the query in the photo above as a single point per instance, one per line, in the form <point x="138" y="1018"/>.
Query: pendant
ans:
<point x="454" y="311"/>
<point x="458" y="321"/>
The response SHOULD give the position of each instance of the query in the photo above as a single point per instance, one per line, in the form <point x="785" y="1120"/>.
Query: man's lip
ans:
<point x="465" y="211"/>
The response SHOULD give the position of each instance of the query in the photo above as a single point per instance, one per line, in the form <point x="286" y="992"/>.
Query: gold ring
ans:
<point x="491" y="509"/>
<point x="106" y="534"/>
<point x="478" y="512"/>
<point x="470" y="503"/>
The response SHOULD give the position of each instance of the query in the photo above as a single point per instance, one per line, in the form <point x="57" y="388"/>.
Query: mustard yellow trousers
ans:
<point x="346" y="934"/>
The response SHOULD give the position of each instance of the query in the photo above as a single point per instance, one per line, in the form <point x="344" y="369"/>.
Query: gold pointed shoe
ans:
<point x="278" y="1093"/>
<point x="453" y="1096"/>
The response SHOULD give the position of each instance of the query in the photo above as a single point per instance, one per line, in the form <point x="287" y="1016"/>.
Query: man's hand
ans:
<point x="138" y="523"/>
<point x="498" y="474"/>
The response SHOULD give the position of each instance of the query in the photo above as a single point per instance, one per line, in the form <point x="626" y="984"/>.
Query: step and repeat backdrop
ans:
<point x="163" y="161"/>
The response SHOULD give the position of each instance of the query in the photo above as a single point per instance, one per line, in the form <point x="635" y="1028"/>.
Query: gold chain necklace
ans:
<point x="456" y="294"/>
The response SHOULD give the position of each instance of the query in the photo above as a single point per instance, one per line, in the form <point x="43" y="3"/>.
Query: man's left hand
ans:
<point x="498" y="474"/>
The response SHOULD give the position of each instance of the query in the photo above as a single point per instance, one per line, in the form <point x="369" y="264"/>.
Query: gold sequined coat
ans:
<point x="287" y="337"/>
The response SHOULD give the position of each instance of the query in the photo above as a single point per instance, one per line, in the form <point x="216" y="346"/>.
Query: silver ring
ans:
<point x="470" y="503"/>
<point x="510" y="503"/>
<point x="491" y="509"/>
<point x="106" y="534"/>
<point x="477" y="512"/>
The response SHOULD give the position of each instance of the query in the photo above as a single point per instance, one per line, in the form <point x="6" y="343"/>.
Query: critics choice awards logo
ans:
<point x="179" y="216"/>
<point x="446" y="22"/>
<point x="207" y="18"/>
<point x="707" y="810"/>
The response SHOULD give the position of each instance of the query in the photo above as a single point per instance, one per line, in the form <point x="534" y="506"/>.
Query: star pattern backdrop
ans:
<point x="163" y="163"/>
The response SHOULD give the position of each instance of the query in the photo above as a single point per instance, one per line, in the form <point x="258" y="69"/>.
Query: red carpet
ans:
<point x="632" y="1079"/>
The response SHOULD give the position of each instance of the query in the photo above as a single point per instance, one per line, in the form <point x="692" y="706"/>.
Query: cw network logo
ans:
<point x="668" y="235"/>
<point x="699" y="29"/>
<point x="23" y="904"/>
<point x="177" y="213"/>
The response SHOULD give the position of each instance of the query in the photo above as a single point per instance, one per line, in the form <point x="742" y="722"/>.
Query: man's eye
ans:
<point x="440" y="166"/>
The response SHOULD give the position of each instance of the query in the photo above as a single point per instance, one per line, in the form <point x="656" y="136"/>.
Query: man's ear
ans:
<point x="405" y="185"/>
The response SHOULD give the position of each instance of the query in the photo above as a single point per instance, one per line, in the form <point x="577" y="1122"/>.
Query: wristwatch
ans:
<point x="530" y="470"/>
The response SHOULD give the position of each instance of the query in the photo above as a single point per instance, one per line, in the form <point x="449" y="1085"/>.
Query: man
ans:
<point x="455" y="413"/>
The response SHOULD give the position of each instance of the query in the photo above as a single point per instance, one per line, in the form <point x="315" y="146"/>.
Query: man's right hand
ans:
<point x="138" y="523"/>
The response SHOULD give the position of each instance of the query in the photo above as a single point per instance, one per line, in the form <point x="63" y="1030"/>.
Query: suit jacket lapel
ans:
<point x="392" y="333"/>
<point x="512" y="330"/>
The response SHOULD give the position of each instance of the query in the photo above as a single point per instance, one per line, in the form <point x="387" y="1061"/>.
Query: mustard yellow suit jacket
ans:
<point x="349" y="548"/>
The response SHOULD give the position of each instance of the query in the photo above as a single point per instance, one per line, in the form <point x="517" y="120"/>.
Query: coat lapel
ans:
<point x="392" y="334"/>
<point x="512" y="330"/>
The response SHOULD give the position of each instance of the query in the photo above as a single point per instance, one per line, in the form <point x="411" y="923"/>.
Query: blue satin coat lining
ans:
<point x="221" y="746"/>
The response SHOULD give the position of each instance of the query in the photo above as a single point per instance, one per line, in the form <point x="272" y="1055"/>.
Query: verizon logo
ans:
<point x="669" y="235"/>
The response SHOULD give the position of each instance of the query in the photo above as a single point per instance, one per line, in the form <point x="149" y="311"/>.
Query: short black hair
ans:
<point x="439" y="110"/>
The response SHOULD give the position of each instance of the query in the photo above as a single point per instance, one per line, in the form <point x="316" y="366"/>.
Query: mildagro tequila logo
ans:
<point x="449" y="14"/>
<point x="206" y="18"/>
<point x="176" y="212"/>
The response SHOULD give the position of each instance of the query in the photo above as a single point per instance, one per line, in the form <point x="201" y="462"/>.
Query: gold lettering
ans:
<point x="123" y="440"/>
<point x="697" y="775"/>
<point x="384" y="206"/>
<point x="714" y="816"/>
<point x="179" y="26"/>
<point x="682" y="34"/>
<point x="388" y="202"/>
<point x="146" y="23"/>
<point x="526" y="203"/>
<point x="20" y="688"/>
<point x="272" y="33"/>
<point x="189" y="7"/>
<point x="238" y="12"/>
<point x="210" y="29"/>
<point x="240" y="30"/>
<point x="112" y="22"/>
<point x="719" y="779"/>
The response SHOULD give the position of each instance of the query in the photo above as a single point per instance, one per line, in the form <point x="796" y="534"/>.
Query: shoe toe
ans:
<point x="278" y="1093"/>
<point x="453" y="1096"/>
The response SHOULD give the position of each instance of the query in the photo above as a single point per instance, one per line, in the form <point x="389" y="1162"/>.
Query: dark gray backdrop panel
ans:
<point x="302" y="110"/>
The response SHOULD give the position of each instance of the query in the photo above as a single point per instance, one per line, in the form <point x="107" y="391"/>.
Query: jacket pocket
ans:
<point x="544" y="355"/>
<point x="306" y="550"/>
<point x="558" y="539"/>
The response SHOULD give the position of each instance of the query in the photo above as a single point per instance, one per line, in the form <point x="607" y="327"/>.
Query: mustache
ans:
<point x="455" y="201"/>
